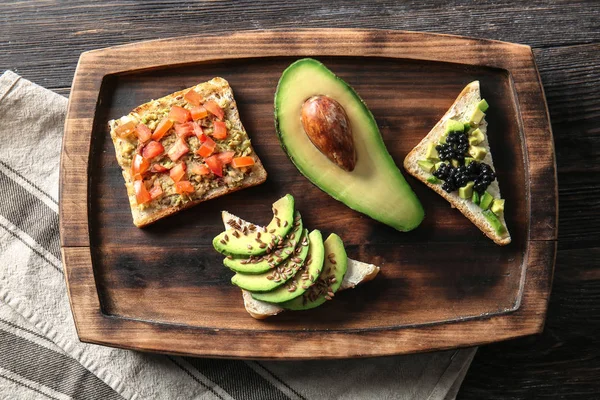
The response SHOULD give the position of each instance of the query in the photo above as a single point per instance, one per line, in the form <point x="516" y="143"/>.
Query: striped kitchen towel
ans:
<point x="40" y="355"/>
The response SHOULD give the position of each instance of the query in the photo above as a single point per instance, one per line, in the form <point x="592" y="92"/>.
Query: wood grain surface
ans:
<point x="167" y="279"/>
<point x="43" y="40"/>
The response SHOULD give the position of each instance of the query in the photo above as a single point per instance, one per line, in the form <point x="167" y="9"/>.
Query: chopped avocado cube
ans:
<point x="475" y="198"/>
<point x="469" y="160"/>
<point x="454" y="126"/>
<point x="495" y="222"/>
<point x="465" y="192"/>
<point x="433" y="179"/>
<point x="477" y="116"/>
<point x="486" y="200"/>
<point x="498" y="206"/>
<point x="477" y="135"/>
<point x="467" y="127"/>
<point x="438" y="165"/>
<point x="477" y="152"/>
<point x="455" y="163"/>
<point x="443" y="138"/>
<point x="426" y="166"/>
<point x="483" y="105"/>
<point x="431" y="153"/>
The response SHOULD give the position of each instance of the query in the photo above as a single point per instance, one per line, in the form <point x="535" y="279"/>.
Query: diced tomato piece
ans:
<point x="143" y="133"/>
<point x="152" y="149"/>
<point x="214" y="109"/>
<point x="125" y="130"/>
<point x="162" y="128"/>
<point x="178" y="149"/>
<point x="158" y="168"/>
<point x="198" y="113"/>
<point x="199" y="169"/>
<point x="184" y="130"/>
<point x="225" y="157"/>
<point x="139" y="165"/>
<point x="178" y="172"/>
<point x="184" y="187"/>
<point x="240" y="162"/>
<point x="156" y="190"/>
<point x="193" y="97"/>
<point x="198" y="131"/>
<point x="141" y="193"/>
<point x="220" y="130"/>
<point x="179" y="114"/>
<point x="215" y="165"/>
<point x="207" y="147"/>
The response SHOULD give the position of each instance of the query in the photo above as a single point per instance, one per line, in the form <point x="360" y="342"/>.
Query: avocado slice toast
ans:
<point x="463" y="169"/>
<point x="357" y="272"/>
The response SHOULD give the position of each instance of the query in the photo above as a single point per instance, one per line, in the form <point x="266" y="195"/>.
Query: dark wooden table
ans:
<point x="42" y="40"/>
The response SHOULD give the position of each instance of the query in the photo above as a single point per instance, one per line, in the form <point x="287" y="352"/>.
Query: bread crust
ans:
<point x="464" y="103"/>
<point x="215" y="89"/>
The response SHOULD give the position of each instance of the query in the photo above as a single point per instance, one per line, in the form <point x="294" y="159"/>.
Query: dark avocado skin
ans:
<point x="408" y="212"/>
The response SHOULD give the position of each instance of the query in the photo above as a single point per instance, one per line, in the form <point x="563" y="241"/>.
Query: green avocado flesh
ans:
<point x="255" y="243"/>
<point x="258" y="265"/>
<point x="376" y="186"/>
<point x="330" y="279"/>
<point x="304" y="278"/>
<point x="278" y="275"/>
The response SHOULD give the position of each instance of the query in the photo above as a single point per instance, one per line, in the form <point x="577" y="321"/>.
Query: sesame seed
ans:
<point x="331" y="260"/>
<point x="229" y="257"/>
<point x="285" y="224"/>
<point x="222" y="241"/>
<point x="249" y="247"/>
<point x="270" y="277"/>
<point x="275" y="211"/>
<point x="262" y="245"/>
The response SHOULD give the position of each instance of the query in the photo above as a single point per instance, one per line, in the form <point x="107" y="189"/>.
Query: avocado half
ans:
<point x="376" y="186"/>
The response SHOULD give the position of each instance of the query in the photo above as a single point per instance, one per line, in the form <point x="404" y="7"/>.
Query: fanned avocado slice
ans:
<point x="278" y="275"/>
<point x="330" y="279"/>
<point x="304" y="278"/>
<point x="258" y="265"/>
<point x="375" y="186"/>
<point x="247" y="242"/>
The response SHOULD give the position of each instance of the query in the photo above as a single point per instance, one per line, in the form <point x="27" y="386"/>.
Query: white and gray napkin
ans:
<point x="40" y="354"/>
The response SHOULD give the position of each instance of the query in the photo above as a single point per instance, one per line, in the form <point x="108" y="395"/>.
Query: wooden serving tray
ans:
<point x="443" y="285"/>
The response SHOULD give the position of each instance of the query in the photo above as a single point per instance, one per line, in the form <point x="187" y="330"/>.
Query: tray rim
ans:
<point x="95" y="327"/>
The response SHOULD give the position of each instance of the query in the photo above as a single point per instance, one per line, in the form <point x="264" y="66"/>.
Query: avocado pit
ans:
<point x="327" y="126"/>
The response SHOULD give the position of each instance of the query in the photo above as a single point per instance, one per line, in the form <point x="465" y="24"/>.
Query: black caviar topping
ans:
<point x="481" y="174"/>
<point x="456" y="147"/>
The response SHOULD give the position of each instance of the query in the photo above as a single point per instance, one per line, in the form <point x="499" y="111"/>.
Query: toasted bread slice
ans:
<point x="206" y="186"/>
<point x="357" y="272"/>
<point x="463" y="107"/>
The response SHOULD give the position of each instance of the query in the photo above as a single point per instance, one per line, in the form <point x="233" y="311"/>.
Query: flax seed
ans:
<point x="262" y="245"/>
<point x="222" y="241"/>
